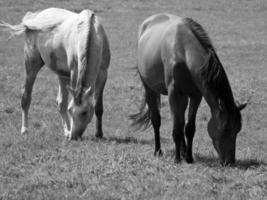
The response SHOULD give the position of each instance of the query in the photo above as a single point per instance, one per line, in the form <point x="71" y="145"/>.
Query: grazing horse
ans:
<point x="76" y="48"/>
<point x="176" y="58"/>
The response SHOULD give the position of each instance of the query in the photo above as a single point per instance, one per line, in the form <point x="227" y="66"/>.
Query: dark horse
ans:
<point x="176" y="58"/>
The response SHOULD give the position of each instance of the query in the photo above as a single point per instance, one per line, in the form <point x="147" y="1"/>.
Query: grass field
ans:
<point x="43" y="165"/>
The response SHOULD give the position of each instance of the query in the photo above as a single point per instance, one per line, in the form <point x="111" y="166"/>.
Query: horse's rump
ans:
<point x="153" y="20"/>
<point x="46" y="19"/>
<point x="39" y="21"/>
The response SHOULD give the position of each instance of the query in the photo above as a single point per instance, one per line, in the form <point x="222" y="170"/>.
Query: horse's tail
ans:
<point x="85" y="27"/>
<point x="15" y="30"/>
<point x="142" y="119"/>
<point x="29" y="22"/>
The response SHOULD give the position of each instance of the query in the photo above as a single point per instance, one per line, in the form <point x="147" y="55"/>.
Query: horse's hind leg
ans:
<point x="191" y="125"/>
<point x="153" y="101"/>
<point x="33" y="63"/>
<point x="178" y="103"/>
<point x="62" y="101"/>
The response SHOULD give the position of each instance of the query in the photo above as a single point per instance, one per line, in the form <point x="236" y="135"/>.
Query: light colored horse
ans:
<point x="76" y="48"/>
<point x="176" y="58"/>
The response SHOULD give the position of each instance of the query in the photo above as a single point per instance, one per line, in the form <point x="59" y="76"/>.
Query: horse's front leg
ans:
<point x="99" y="114"/>
<point x="191" y="125"/>
<point x="33" y="63"/>
<point x="62" y="101"/>
<point x="100" y="84"/>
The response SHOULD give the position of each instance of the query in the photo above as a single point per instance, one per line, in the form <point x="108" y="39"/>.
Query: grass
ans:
<point x="43" y="165"/>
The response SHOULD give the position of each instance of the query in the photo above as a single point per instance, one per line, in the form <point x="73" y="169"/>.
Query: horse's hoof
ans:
<point x="158" y="153"/>
<point x="67" y="137"/>
<point x="24" y="131"/>
<point x="189" y="159"/>
<point x="99" y="134"/>
<point x="183" y="155"/>
<point x="67" y="134"/>
<point x="177" y="160"/>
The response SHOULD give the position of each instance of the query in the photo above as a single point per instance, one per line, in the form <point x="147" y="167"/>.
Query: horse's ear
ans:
<point x="241" y="106"/>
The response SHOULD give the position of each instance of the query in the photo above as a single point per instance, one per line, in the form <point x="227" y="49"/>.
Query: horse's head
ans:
<point x="223" y="128"/>
<point x="81" y="110"/>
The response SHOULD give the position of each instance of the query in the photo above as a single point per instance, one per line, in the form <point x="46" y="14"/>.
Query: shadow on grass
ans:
<point x="240" y="164"/>
<point x="249" y="163"/>
<point x="209" y="161"/>
<point x="119" y="140"/>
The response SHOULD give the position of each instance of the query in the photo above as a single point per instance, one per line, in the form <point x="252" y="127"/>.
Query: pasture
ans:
<point x="43" y="165"/>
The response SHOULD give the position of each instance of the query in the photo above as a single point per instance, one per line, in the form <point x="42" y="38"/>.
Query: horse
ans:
<point x="76" y="48"/>
<point x="176" y="58"/>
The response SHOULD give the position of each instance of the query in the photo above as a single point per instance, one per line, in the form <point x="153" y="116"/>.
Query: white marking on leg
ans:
<point x="66" y="131"/>
<point x="62" y="100"/>
<point x="24" y="126"/>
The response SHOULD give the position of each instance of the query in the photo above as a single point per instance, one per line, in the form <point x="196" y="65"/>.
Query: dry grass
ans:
<point x="42" y="165"/>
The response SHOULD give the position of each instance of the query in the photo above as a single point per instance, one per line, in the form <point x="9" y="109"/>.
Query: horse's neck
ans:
<point x="213" y="99"/>
<point x="216" y="85"/>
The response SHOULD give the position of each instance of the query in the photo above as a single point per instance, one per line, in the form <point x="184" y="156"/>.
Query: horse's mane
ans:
<point x="213" y="73"/>
<point x="86" y="21"/>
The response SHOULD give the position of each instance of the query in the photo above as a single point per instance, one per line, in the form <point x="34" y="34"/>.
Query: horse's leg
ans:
<point x="100" y="84"/>
<point x="33" y="63"/>
<point x="62" y="101"/>
<point x="191" y="125"/>
<point x="153" y="101"/>
<point x="178" y="103"/>
<point x="183" y="147"/>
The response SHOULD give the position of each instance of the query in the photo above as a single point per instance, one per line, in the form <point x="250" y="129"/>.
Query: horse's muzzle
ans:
<point x="76" y="134"/>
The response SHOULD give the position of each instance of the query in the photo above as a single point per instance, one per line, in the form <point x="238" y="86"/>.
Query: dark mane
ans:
<point x="199" y="33"/>
<point x="213" y="73"/>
